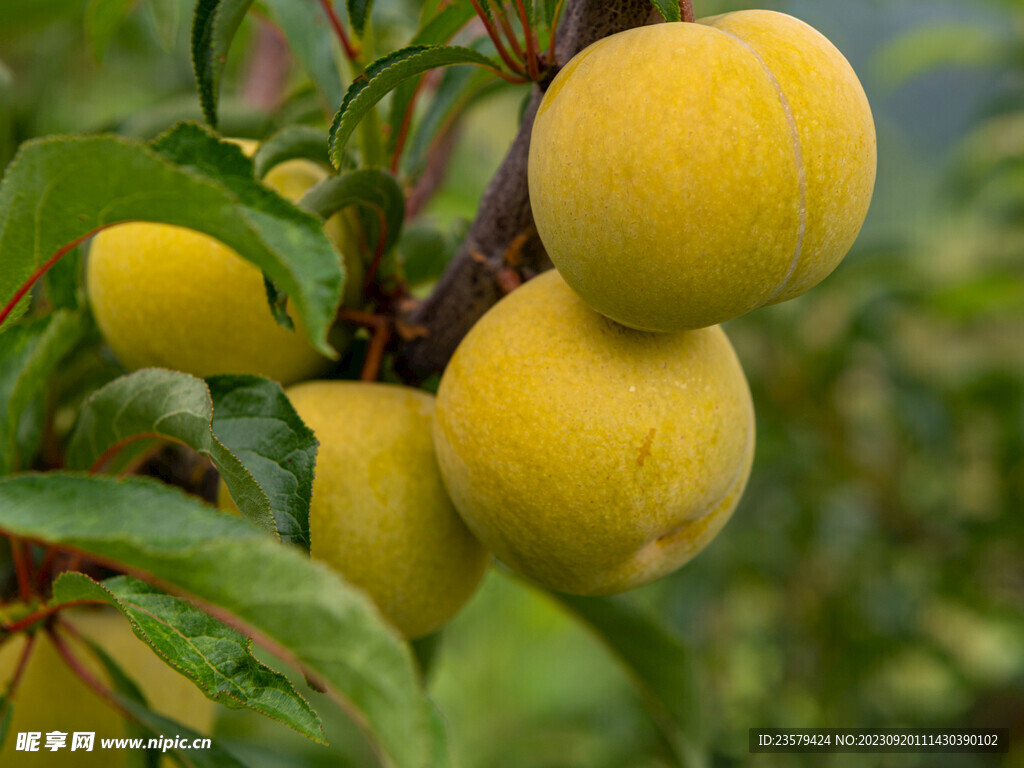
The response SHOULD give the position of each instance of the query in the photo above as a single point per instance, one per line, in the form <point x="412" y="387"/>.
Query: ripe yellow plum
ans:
<point x="175" y="298"/>
<point x="683" y="174"/>
<point x="591" y="457"/>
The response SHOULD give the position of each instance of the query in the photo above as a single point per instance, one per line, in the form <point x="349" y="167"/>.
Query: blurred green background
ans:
<point x="874" y="573"/>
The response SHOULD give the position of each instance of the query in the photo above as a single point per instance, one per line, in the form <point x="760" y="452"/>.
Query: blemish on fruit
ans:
<point x="668" y="536"/>
<point x="645" y="449"/>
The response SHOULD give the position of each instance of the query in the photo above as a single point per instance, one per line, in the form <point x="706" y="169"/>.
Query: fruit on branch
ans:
<point x="588" y="456"/>
<point x="50" y="697"/>
<point x="176" y="298"/>
<point x="683" y="174"/>
<point x="380" y="514"/>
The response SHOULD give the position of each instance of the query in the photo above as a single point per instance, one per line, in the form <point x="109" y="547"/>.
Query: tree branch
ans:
<point x="503" y="234"/>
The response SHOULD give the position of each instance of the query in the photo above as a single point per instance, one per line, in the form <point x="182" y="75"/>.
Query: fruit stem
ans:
<point x="555" y="18"/>
<point x="517" y="49"/>
<point x="359" y="317"/>
<point x="531" y="42"/>
<point x="20" y="555"/>
<point x="381" y="325"/>
<point x="351" y="52"/>
<point x="45" y="567"/>
<point x="113" y="449"/>
<point x="44" y="613"/>
<point x="378" y="254"/>
<point x="686" y="10"/>
<point x="375" y="354"/>
<point x="495" y="36"/>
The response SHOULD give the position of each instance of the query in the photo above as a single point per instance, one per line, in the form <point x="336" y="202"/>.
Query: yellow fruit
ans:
<point x="175" y="298"/>
<point x="588" y="456"/>
<point x="52" y="698"/>
<point x="683" y="174"/>
<point x="380" y="515"/>
<point x="292" y="179"/>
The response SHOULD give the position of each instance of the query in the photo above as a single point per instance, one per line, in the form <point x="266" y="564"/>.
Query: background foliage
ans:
<point x="874" y="572"/>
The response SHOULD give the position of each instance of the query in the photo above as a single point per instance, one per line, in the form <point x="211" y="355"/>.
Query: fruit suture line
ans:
<point x="798" y="155"/>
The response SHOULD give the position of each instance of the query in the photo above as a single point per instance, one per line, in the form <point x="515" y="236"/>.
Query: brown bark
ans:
<point x="503" y="233"/>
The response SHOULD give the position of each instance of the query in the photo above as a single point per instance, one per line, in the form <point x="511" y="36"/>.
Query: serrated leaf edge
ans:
<point x="379" y="68"/>
<point x="140" y="633"/>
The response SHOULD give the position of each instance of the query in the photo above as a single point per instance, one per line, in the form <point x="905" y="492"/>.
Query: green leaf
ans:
<point x="296" y="607"/>
<point x="371" y="187"/>
<point x="659" y="662"/>
<point x="64" y="282"/>
<point x="214" y="24"/>
<point x="7" y="139"/>
<point x="190" y="146"/>
<point x="271" y="476"/>
<point x="102" y="18"/>
<point x="186" y="177"/>
<point x="386" y="74"/>
<point x="439" y="29"/>
<point x="256" y="421"/>
<point x="669" y="9"/>
<point x="157" y="403"/>
<point x="278" y="301"/>
<point x="217" y="658"/>
<point x="312" y="42"/>
<point x="235" y="118"/>
<point x="442" y="757"/>
<point x="358" y="14"/>
<point x="29" y="354"/>
<point x="291" y="143"/>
